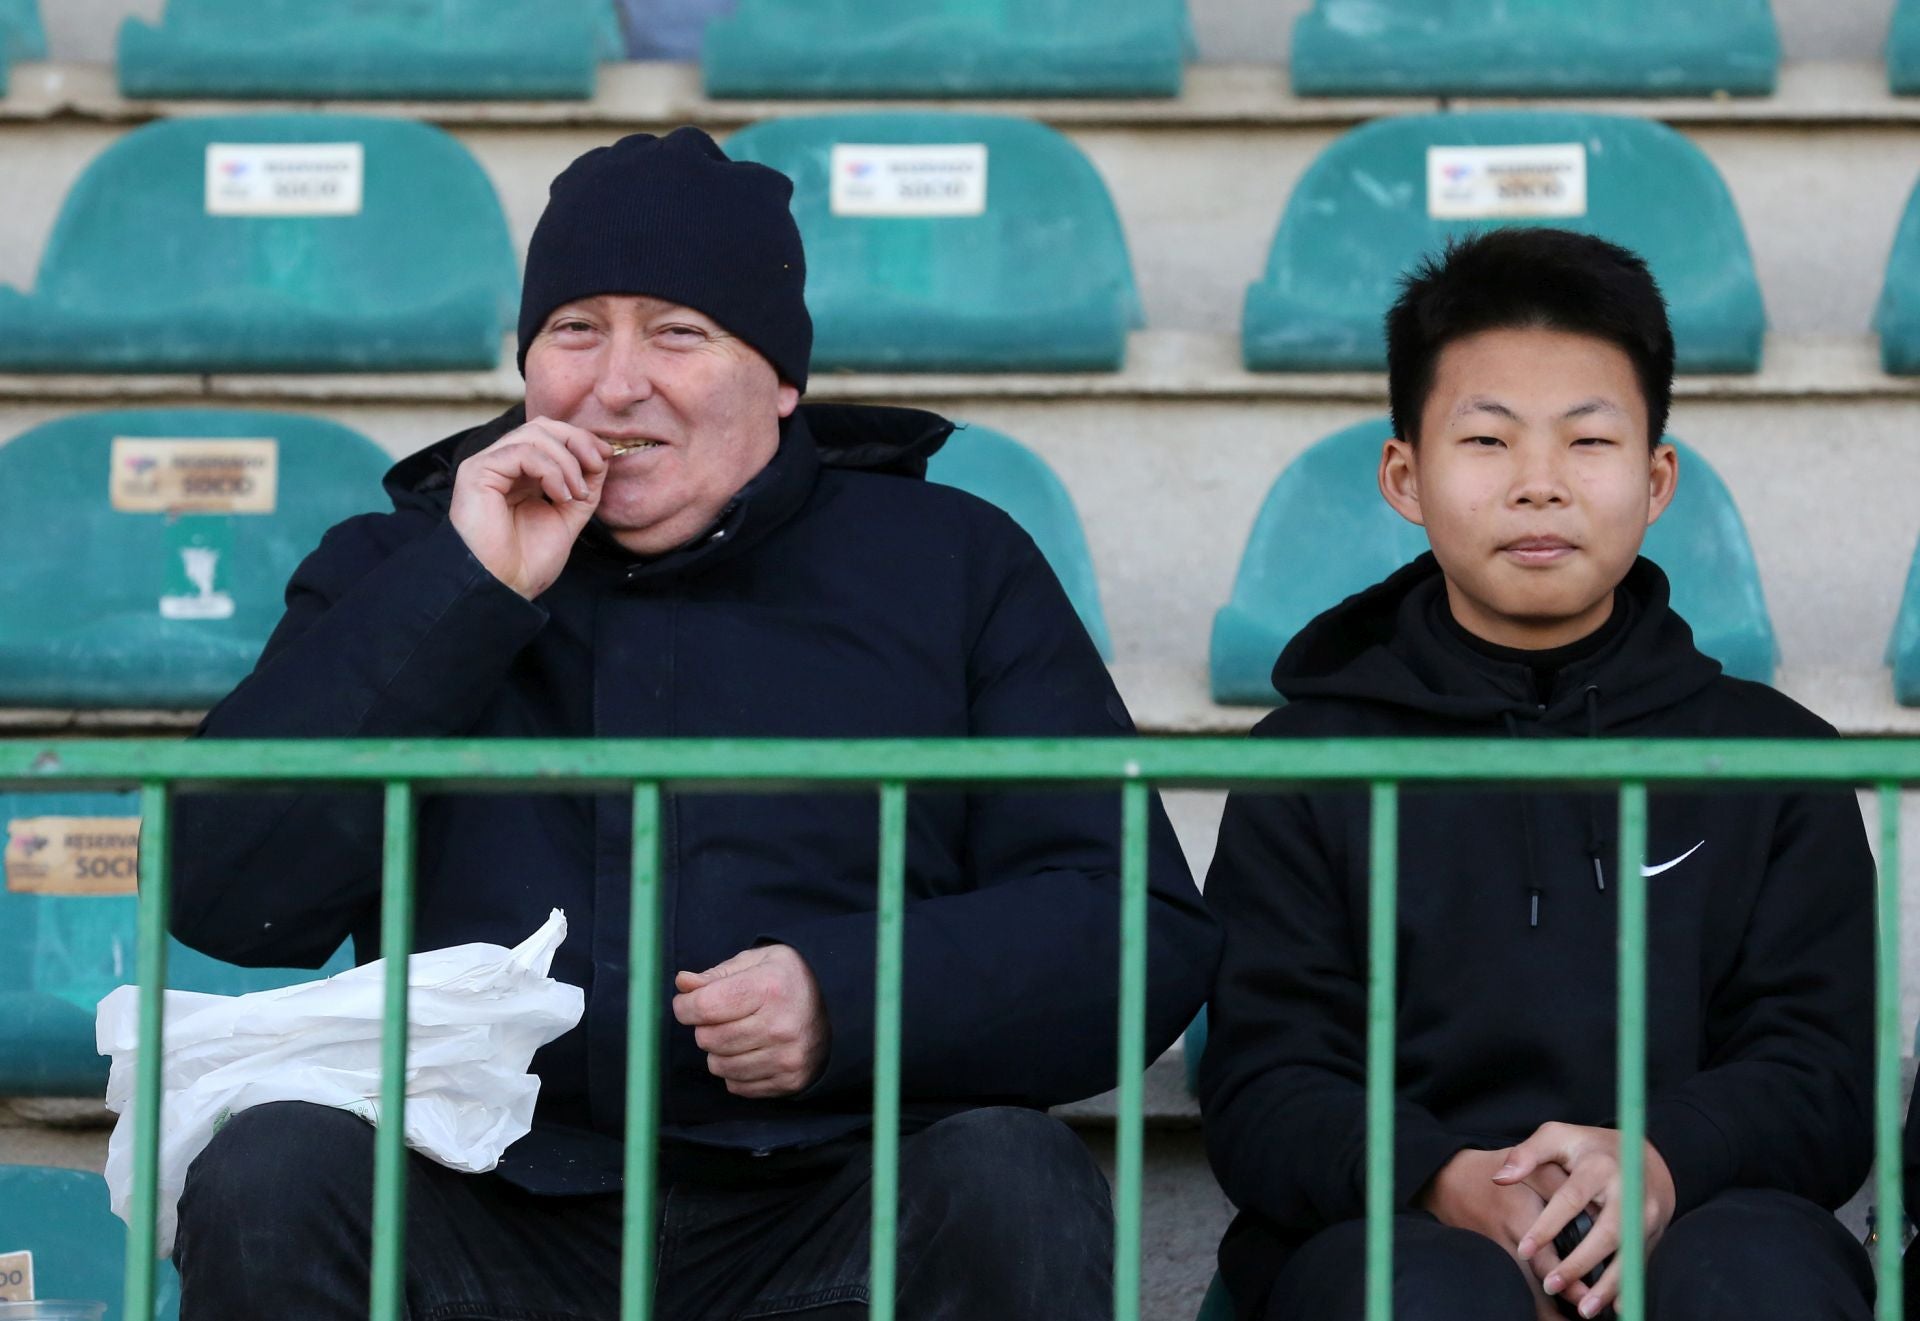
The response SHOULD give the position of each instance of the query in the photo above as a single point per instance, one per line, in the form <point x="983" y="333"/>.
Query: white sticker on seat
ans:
<point x="948" y="179"/>
<point x="1481" y="183"/>
<point x="284" y="178"/>
<point x="70" y="855"/>
<point x="154" y="475"/>
<point x="16" y="1277"/>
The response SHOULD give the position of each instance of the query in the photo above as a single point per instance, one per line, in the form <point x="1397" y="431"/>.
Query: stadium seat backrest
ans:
<point x="448" y="49"/>
<point x="68" y="935"/>
<point x="1903" y="649"/>
<point x="1036" y="276"/>
<point x="1006" y="473"/>
<point x="132" y="606"/>
<point x="1535" y="48"/>
<point x="1393" y="191"/>
<point x="79" y="1246"/>
<point x="170" y="254"/>
<point x="940" y="48"/>
<point x="1897" y="317"/>
<point x="1330" y="496"/>
<point x="21" y="36"/>
<point x="1903" y="48"/>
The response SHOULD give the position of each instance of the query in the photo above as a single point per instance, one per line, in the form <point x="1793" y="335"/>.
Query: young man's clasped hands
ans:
<point x="1523" y="1197"/>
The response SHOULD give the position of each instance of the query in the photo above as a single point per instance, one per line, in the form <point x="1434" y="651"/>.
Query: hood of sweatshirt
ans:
<point x="1759" y="929"/>
<point x="1390" y="645"/>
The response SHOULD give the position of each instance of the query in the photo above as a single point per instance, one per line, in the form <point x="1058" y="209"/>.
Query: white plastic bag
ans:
<point x="476" y="1015"/>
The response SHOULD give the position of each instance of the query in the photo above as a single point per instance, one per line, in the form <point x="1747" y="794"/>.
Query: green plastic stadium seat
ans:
<point x="1903" y="650"/>
<point x="21" y="37"/>
<point x="79" y="1246"/>
<point x="1903" y="48"/>
<point x="1361" y="216"/>
<point x="439" y="49"/>
<point x="1216" y="1306"/>
<point x="1535" y="48"/>
<point x="61" y="952"/>
<point x="1006" y="473"/>
<point x="1330" y="496"/>
<point x="138" y="276"/>
<point x="128" y="608"/>
<point x="1897" y="317"/>
<point x="1037" y="280"/>
<point x="1194" y="1044"/>
<point x="946" y="48"/>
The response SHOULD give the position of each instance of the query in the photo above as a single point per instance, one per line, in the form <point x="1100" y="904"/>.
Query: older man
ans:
<point x="665" y="543"/>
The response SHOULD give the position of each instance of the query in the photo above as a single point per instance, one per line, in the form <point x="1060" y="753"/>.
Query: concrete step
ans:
<point x="650" y="94"/>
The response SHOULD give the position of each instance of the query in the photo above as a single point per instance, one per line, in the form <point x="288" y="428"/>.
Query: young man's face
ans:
<point x="1534" y="479"/>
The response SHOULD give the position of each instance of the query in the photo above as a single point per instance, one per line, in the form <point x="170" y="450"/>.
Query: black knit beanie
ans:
<point x="673" y="218"/>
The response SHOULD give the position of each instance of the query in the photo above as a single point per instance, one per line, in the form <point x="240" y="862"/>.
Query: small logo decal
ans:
<point x="1669" y="866"/>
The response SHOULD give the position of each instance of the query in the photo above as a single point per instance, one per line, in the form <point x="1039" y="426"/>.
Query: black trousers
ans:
<point x="1747" y="1255"/>
<point x="1003" y="1215"/>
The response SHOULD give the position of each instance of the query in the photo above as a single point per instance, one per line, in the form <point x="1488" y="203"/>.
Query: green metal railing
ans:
<point x="1136" y="766"/>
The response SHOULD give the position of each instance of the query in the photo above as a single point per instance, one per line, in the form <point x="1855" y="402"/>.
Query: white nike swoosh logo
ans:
<point x="1669" y="866"/>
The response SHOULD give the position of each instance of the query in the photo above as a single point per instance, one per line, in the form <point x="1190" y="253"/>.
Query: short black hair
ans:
<point x="1516" y="278"/>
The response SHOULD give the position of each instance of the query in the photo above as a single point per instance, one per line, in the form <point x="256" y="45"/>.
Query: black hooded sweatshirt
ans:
<point x="1760" y="920"/>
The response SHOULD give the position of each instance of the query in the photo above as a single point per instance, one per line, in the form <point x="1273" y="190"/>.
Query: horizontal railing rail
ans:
<point x="1134" y="766"/>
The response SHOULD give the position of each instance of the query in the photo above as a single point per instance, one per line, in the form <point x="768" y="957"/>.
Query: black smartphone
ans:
<point x="1570" y="1237"/>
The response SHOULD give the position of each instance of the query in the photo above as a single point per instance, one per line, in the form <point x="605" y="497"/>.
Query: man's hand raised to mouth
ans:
<point x="520" y="503"/>
<point x="760" y="1019"/>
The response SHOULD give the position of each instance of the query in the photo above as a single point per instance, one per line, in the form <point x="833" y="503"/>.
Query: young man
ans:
<point x="1530" y="373"/>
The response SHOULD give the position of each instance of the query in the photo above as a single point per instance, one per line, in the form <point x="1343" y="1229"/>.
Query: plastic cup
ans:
<point x="53" y="1309"/>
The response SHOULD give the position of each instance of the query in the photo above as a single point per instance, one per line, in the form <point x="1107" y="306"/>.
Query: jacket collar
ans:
<point x="897" y="441"/>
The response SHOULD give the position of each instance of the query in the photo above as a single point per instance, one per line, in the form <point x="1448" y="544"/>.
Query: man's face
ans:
<point x="630" y="368"/>
<point x="1534" y="479"/>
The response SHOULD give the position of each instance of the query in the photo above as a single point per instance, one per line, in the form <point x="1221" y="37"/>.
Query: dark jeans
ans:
<point x="1003" y="1215"/>
<point x="1747" y="1255"/>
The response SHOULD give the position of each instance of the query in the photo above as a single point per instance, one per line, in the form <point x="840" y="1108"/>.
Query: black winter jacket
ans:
<point x="838" y="596"/>
<point x="1760" y="919"/>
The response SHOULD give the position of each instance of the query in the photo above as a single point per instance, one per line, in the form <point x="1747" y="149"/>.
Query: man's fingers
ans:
<point x="554" y="447"/>
<point x="684" y="981"/>
<point x="722" y="1000"/>
<point x="516" y="468"/>
<point x="738" y="1038"/>
<point x="592" y="452"/>
<point x="739" y="963"/>
<point x="753" y="1066"/>
<point x="787" y="1084"/>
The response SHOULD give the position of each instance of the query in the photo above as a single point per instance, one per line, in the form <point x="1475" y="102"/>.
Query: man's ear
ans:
<point x="789" y="399"/>
<point x="1400" y="479"/>
<point x="1663" y="477"/>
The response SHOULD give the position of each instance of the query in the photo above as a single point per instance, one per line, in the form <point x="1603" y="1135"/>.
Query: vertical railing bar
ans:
<point x="388" y="1286"/>
<point x="1632" y="1044"/>
<point x="1890" y="1216"/>
<point x="888" y="941"/>
<point x="644" y="990"/>
<point x="1130" y="1128"/>
<point x="151" y="970"/>
<point x="1382" y="972"/>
